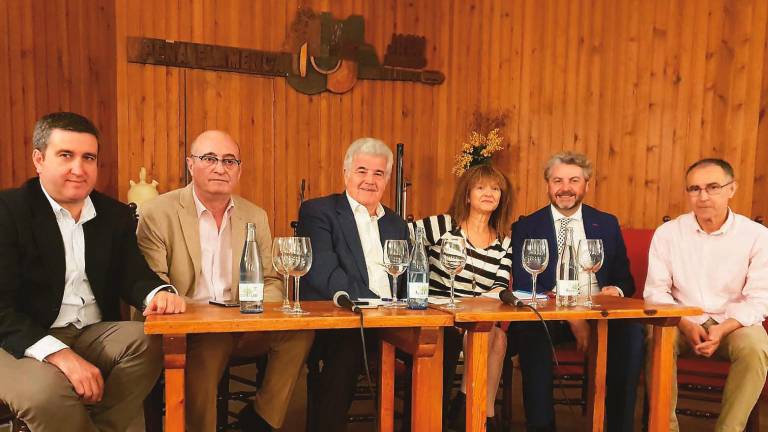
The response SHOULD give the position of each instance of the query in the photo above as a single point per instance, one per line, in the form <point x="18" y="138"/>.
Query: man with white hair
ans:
<point x="347" y="231"/>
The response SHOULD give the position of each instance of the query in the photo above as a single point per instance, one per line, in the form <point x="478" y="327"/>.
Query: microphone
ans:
<point x="509" y="298"/>
<point x="341" y="299"/>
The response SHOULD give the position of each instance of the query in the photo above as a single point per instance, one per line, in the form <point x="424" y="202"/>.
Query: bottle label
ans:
<point x="418" y="290"/>
<point x="250" y="291"/>
<point x="567" y="287"/>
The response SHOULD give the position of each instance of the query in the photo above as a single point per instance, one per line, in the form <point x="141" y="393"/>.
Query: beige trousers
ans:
<point x="40" y="395"/>
<point x="747" y="350"/>
<point x="208" y="354"/>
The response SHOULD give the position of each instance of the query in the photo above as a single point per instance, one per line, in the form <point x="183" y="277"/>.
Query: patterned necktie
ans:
<point x="561" y="234"/>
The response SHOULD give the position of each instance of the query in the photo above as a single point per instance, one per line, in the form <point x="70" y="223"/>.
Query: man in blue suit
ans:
<point x="567" y="175"/>
<point x="347" y="232"/>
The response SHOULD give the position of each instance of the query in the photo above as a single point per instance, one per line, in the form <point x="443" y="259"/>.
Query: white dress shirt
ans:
<point x="215" y="282"/>
<point x="725" y="273"/>
<point x="368" y="229"/>
<point x="78" y="305"/>
<point x="577" y="224"/>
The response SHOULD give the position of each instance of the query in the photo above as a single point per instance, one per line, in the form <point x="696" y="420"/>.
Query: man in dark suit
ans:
<point x="567" y="175"/>
<point x="68" y="255"/>
<point x="347" y="232"/>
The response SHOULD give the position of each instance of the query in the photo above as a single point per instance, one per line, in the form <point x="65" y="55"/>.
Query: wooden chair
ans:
<point x="7" y="417"/>
<point x="225" y="394"/>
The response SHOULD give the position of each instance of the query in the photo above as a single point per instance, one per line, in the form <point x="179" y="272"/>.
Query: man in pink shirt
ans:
<point x="717" y="260"/>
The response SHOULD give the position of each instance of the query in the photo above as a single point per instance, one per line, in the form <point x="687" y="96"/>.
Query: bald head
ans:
<point x="214" y="163"/>
<point x="214" y="137"/>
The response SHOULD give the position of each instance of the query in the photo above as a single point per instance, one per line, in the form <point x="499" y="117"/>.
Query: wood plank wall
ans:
<point x="56" y="55"/>
<point x="643" y="87"/>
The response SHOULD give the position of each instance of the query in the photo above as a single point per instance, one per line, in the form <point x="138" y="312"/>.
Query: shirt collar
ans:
<point x="729" y="221"/>
<point x="556" y="215"/>
<point x="356" y="206"/>
<point x="200" y="207"/>
<point x="87" y="213"/>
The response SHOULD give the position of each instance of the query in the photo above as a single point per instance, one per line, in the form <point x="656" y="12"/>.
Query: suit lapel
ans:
<point x="548" y="232"/>
<point x="48" y="237"/>
<point x="98" y="242"/>
<point x="387" y="230"/>
<point x="593" y="230"/>
<point x="189" y="227"/>
<point x="351" y="236"/>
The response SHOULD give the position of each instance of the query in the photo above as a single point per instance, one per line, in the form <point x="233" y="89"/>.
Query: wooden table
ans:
<point x="478" y="315"/>
<point x="416" y="332"/>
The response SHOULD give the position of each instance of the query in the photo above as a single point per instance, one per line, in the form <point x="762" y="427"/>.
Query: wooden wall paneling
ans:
<point x="760" y="191"/>
<point x="634" y="161"/>
<point x="691" y="112"/>
<point x="675" y="76"/>
<point x="14" y="97"/>
<point x="660" y="67"/>
<point x="592" y="52"/>
<point x="6" y="124"/>
<point x="27" y="81"/>
<point x="638" y="86"/>
<point x="531" y="81"/>
<point x="614" y="180"/>
<point x="557" y="100"/>
<point x="608" y="41"/>
<point x="49" y="63"/>
<point x="713" y="87"/>
<point x="21" y="125"/>
<point x="504" y="86"/>
<point x="574" y="76"/>
<point x="544" y="68"/>
<point x="751" y="105"/>
<point x="731" y="101"/>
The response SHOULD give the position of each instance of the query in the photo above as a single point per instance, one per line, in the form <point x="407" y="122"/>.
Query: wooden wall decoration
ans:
<point x="328" y="54"/>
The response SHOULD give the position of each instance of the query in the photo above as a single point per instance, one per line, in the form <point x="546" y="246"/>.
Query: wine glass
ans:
<point x="297" y="259"/>
<point x="535" y="259"/>
<point x="277" y="262"/>
<point x="397" y="256"/>
<point x="453" y="256"/>
<point x="590" y="258"/>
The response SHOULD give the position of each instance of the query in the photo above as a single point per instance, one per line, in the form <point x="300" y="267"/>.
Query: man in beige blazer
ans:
<point x="193" y="238"/>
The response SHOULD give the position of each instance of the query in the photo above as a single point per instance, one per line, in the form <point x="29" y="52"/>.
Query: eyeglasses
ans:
<point x="211" y="161"/>
<point x="712" y="189"/>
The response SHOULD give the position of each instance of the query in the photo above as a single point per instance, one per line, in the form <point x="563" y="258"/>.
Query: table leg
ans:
<point x="427" y="392"/>
<point x="598" y="353"/>
<point x="476" y="371"/>
<point x="660" y="394"/>
<point x="175" y="359"/>
<point x="425" y="344"/>
<point x="386" y="386"/>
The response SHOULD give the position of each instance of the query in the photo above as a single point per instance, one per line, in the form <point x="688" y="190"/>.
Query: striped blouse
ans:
<point x="488" y="268"/>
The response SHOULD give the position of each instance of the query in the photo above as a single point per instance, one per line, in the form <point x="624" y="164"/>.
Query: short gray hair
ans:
<point x="569" y="158"/>
<point x="369" y="146"/>
<point x="67" y="121"/>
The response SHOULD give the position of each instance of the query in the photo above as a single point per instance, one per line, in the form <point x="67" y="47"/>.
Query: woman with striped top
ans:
<point x="479" y="212"/>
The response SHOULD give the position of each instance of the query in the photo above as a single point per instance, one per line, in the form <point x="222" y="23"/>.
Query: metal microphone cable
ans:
<point x="365" y="363"/>
<point x="554" y="354"/>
